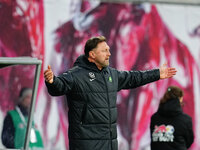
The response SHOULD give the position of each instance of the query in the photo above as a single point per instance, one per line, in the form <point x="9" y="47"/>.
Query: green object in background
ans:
<point x="110" y="79"/>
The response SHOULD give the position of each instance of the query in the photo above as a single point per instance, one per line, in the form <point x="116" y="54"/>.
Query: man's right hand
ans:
<point x="48" y="75"/>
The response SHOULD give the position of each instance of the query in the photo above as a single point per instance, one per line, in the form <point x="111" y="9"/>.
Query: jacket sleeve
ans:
<point x="189" y="135"/>
<point x="133" y="79"/>
<point x="8" y="132"/>
<point x="61" y="84"/>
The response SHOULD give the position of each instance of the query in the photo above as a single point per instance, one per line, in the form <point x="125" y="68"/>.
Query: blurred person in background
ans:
<point x="171" y="129"/>
<point x="91" y="88"/>
<point x="15" y="124"/>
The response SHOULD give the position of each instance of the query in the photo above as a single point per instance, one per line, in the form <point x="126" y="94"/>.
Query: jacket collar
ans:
<point x="82" y="61"/>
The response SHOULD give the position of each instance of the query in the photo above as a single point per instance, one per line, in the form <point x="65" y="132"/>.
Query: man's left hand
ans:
<point x="166" y="72"/>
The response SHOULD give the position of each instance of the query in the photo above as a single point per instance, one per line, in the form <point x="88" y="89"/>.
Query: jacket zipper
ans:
<point x="108" y="110"/>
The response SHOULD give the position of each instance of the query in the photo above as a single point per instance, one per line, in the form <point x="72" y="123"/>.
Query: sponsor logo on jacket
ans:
<point x="163" y="133"/>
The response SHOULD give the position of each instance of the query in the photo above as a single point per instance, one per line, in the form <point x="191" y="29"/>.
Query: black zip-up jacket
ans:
<point x="91" y="95"/>
<point x="171" y="129"/>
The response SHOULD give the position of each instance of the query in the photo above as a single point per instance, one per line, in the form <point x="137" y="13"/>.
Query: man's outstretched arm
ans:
<point x="133" y="79"/>
<point x="59" y="85"/>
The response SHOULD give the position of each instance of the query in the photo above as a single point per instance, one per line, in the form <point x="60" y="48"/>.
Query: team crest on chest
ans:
<point x="91" y="75"/>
